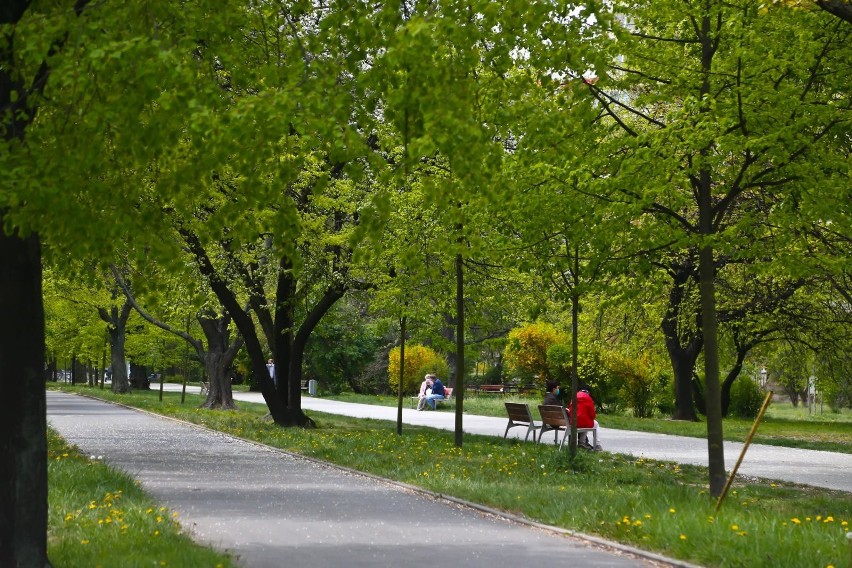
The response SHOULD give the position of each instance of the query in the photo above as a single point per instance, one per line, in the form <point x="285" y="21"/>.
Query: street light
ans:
<point x="763" y="374"/>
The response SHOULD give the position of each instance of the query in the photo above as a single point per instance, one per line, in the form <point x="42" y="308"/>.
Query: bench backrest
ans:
<point x="553" y="415"/>
<point x="519" y="412"/>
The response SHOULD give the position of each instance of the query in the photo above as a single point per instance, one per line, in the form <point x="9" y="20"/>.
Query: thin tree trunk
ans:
<point x="458" y="390"/>
<point x="707" y="274"/>
<point x="400" y="387"/>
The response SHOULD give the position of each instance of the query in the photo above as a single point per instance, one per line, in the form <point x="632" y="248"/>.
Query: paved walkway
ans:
<point x="272" y="509"/>
<point x="820" y="469"/>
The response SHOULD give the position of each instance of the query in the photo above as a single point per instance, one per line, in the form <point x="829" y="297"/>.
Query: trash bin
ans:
<point x="312" y="387"/>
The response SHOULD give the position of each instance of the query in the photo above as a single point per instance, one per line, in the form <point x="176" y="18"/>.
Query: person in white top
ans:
<point x="425" y="390"/>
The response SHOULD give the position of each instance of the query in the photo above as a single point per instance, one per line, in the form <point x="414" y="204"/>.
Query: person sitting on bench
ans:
<point x="585" y="417"/>
<point x="437" y="394"/>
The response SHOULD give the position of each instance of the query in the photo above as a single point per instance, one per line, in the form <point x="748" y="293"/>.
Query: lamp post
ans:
<point x="763" y="375"/>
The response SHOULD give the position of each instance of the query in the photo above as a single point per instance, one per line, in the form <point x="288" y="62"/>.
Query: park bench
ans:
<point x="205" y="388"/>
<point x="448" y="397"/>
<point x="555" y="417"/>
<point x="520" y="415"/>
<point x="490" y="389"/>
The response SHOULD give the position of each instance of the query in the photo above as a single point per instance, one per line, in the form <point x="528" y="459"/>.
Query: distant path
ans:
<point x="820" y="469"/>
<point x="273" y="509"/>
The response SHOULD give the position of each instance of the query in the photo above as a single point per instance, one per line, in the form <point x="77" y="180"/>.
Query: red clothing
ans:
<point x="585" y="410"/>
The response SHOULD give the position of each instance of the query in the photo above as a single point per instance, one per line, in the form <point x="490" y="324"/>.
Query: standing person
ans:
<point x="425" y="390"/>
<point x="437" y="392"/>
<point x="586" y="416"/>
<point x="551" y="396"/>
<point x="270" y="366"/>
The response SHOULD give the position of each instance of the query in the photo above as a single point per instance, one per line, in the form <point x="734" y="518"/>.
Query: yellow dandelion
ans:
<point x="795" y="521"/>
<point x="84" y="541"/>
<point x="828" y="519"/>
<point x="682" y="537"/>
<point x="735" y="528"/>
<point x="672" y="510"/>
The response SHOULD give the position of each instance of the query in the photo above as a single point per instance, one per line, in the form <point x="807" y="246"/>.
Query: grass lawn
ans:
<point x="783" y="424"/>
<point x="657" y="506"/>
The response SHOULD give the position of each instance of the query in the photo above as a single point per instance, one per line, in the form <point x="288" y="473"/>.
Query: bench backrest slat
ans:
<point x="519" y="412"/>
<point x="553" y="415"/>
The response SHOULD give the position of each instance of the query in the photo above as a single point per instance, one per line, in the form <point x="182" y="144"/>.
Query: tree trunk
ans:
<point x="731" y="377"/>
<point x="458" y="391"/>
<point x="707" y="287"/>
<point x="23" y="424"/>
<point x="217" y="360"/>
<point x="117" y="362"/>
<point x="116" y="320"/>
<point x="683" y="345"/>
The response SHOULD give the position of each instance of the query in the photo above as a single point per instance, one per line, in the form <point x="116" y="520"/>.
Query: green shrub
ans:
<point x="640" y="385"/>
<point x="746" y="398"/>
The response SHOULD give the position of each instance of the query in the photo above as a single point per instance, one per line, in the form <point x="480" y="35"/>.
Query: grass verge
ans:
<point x="783" y="425"/>
<point x="100" y="517"/>
<point x="657" y="506"/>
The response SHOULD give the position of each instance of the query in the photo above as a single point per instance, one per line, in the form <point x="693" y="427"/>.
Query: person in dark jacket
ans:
<point x="437" y="392"/>
<point x="552" y="394"/>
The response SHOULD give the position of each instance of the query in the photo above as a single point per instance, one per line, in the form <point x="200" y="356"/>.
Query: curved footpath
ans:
<point x="272" y="509"/>
<point x="810" y="467"/>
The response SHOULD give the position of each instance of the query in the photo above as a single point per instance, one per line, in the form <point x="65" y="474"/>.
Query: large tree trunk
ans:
<point x="23" y="426"/>
<point x="218" y="358"/>
<point x="116" y="320"/>
<point x="683" y="342"/>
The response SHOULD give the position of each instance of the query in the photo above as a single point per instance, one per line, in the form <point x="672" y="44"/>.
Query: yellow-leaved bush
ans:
<point x="525" y="355"/>
<point x="419" y="360"/>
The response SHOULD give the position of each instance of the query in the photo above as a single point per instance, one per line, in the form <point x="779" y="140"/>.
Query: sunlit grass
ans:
<point x="658" y="506"/>
<point x="101" y="517"/>
<point x="783" y="425"/>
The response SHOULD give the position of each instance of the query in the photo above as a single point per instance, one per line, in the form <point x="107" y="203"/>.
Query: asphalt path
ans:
<point x="271" y="509"/>
<point x="810" y="467"/>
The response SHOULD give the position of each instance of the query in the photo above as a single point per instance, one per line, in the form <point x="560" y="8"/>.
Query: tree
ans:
<point x="704" y="139"/>
<point x="70" y="153"/>
<point x="23" y="489"/>
<point x="217" y="356"/>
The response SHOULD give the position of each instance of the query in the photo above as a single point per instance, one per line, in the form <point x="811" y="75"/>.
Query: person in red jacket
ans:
<point x="586" y="416"/>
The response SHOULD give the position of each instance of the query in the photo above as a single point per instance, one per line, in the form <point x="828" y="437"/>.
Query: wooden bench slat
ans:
<point x="555" y="418"/>
<point x="520" y="415"/>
